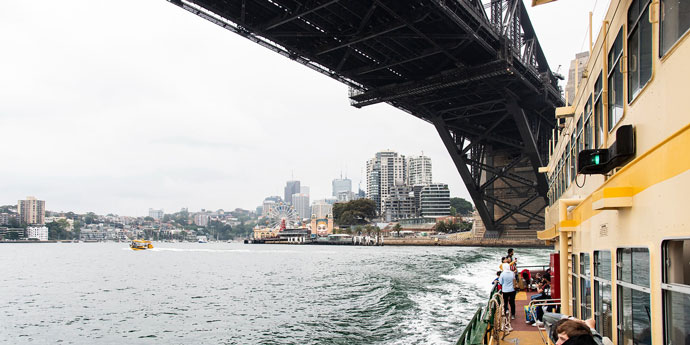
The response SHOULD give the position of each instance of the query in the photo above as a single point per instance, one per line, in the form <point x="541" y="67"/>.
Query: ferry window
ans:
<point x="573" y="156"/>
<point x="634" y="311"/>
<point x="639" y="47"/>
<point x="675" y="21"/>
<point x="589" y="144"/>
<point x="615" y="80"/>
<point x="585" y="288"/>
<point x="580" y="137"/>
<point x="676" y="291"/>
<point x="598" y="113"/>
<point x="602" y="293"/>
<point x="574" y="291"/>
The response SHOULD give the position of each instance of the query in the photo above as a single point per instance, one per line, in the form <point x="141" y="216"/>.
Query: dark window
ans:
<point x="639" y="47"/>
<point x="585" y="287"/>
<point x="675" y="21"/>
<point x="615" y="82"/>
<point x="602" y="293"/>
<point x="598" y="114"/>
<point x="676" y="291"/>
<point x="573" y="155"/>
<point x="574" y="290"/>
<point x="634" y="312"/>
<point x="589" y="143"/>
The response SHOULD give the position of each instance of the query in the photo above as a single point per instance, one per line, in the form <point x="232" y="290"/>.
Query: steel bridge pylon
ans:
<point x="473" y="69"/>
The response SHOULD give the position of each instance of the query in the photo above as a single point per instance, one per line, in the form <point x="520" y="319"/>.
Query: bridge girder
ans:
<point x="481" y="78"/>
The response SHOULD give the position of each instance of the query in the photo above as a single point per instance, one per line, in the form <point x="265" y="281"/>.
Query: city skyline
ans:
<point x="122" y="127"/>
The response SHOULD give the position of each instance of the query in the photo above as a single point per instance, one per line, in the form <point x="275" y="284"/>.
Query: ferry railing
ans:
<point x="483" y="322"/>
<point x="540" y="303"/>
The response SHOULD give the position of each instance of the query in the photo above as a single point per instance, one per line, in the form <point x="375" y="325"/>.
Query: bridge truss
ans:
<point x="473" y="69"/>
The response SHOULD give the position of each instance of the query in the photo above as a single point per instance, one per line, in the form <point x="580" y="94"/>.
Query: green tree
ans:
<point x="90" y="218"/>
<point x="462" y="206"/>
<point x="76" y="228"/>
<point x="355" y="212"/>
<point x="397" y="228"/>
<point x="441" y="227"/>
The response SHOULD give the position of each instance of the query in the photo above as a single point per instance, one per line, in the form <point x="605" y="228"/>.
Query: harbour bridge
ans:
<point x="474" y="69"/>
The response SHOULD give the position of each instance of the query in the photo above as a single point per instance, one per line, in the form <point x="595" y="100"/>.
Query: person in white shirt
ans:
<point x="506" y="281"/>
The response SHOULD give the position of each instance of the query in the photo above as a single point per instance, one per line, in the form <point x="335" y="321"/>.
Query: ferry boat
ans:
<point x="619" y="172"/>
<point x="141" y="245"/>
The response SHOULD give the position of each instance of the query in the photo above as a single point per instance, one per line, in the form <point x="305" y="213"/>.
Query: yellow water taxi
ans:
<point x="141" y="245"/>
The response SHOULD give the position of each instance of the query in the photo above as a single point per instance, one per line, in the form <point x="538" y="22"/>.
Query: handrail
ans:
<point x="482" y="322"/>
<point x="542" y="303"/>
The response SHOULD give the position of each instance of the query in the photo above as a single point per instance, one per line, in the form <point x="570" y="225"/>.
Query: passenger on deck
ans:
<point x="506" y="280"/>
<point x="569" y="330"/>
<point x="495" y="282"/>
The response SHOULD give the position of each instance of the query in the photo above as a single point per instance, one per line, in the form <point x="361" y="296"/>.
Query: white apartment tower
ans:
<point x="301" y="204"/>
<point x="419" y="170"/>
<point x="435" y="200"/>
<point x="387" y="169"/>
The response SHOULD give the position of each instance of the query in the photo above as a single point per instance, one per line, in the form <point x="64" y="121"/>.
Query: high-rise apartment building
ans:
<point x="156" y="214"/>
<point x="435" y="200"/>
<point x="387" y="169"/>
<point x="31" y="210"/>
<point x="269" y="203"/>
<point x="419" y="170"/>
<point x="291" y="187"/>
<point x="341" y="185"/>
<point x="301" y="204"/>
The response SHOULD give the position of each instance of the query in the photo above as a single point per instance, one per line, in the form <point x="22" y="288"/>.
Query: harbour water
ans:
<point x="232" y="293"/>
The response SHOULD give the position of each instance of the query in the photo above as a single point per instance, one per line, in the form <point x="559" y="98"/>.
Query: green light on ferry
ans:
<point x="595" y="159"/>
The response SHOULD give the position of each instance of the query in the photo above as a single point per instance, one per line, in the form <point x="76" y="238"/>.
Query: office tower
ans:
<point x="387" y="169"/>
<point x="419" y="170"/>
<point x="301" y="204"/>
<point x="435" y="200"/>
<point x="156" y="214"/>
<point x="304" y="190"/>
<point x="31" y="210"/>
<point x="291" y="187"/>
<point x="321" y="209"/>
<point x="341" y="185"/>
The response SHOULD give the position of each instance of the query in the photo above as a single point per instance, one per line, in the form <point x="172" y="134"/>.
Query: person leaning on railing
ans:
<point x="508" y="289"/>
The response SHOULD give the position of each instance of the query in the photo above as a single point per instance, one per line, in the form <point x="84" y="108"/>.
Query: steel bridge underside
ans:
<point x="474" y="70"/>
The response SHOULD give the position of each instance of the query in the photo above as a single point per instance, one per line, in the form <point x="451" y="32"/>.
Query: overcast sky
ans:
<point x="117" y="106"/>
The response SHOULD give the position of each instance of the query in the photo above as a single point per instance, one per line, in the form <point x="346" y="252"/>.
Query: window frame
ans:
<point x="614" y="67"/>
<point x="669" y="287"/>
<point x="599" y="121"/>
<point x="574" y="281"/>
<point x="600" y="282"/>
<point x="672" y="47"/>
<point x="642" y="17"/>
<point x="620" y="307"/>
<point x="585" y="278"/>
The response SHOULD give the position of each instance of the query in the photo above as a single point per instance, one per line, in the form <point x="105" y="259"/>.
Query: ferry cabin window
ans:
<point x="615" y="80"/>
<point x="675" y="22"/>
<point x="589" y="144"/>
<point x="573" y="156"/>
<point x="634" y="311"/>
<point x="580" y="137"/>
<point x="602" y="293"/>
<point x="598" y="113"/>
<point x="574" y="291"/>
<point x="676" y="291"/>
<point x="585" y="288"/>
<point x="639" y="47"/>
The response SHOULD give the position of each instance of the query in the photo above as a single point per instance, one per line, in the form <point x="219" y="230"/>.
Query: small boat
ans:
<point x="141" y="245"/>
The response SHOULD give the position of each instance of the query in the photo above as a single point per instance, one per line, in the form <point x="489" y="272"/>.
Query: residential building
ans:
<point x="321" y="209"/>
<point x="201" y="219"/>
<point x="419" y="170"/>
<point x="341" y="185"/>
<point x="387" y="169"/>
<point x="435" y="200"/>
<point x="6" y="218"/>
<point x="291" y="187"/>
<point x="31" y="210"/>
<point x="11" y="233"/>
<point x="301" y="204"/>
<point x="156" y="214"/>
<point x="399" y="204"/>
<point x="37" y="233"/>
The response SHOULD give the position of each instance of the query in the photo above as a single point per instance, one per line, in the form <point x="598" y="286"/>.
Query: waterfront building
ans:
<point x="11" y="233"/>
<point x="385" y="170"/>
<point x="300" y="202"/>
<point x="156" y="214"/>
<point x="291" y="187"/>
<point x="399" y="204"/>
<point x="419" y="170"/>
<point x="321" y="209"/>
<point x="37" y="233"/>
<point x="6" y="218"/>
<point x="435" y="200"/>
<point x="341" y="185"/>
<point x="31" y="210"/>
